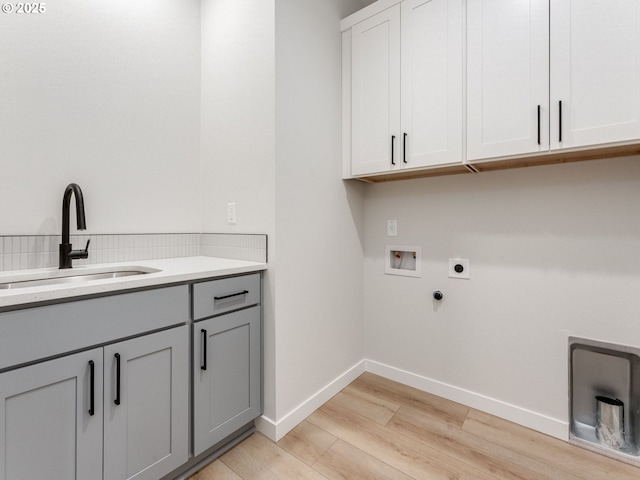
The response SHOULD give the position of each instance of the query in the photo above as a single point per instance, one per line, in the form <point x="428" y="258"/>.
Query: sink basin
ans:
<point x="73" y="277"/>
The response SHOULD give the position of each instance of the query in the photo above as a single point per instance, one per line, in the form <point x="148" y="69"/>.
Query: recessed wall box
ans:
<point x="605" y="373"/>
<point x="403" y="260"/>
<point x="459" y="268"/>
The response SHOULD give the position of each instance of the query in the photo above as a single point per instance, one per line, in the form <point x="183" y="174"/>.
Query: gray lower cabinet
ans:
<point x="51" y="426"/>
<point x="146" y="416"/>
<point x="226" y="375"/>
<point x="129" y="398"/>
<point x="120" y="410"/>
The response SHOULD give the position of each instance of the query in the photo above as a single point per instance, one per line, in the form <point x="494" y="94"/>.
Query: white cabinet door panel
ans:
<point x="595" y="72"/>
<point x="376" y="93"/>
<point x="507" y="77"/>
<point x="432" y="82"/>
<point x="46" y="428"/>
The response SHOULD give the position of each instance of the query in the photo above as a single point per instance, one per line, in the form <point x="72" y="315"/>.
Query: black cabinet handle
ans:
<point x="117" y="400"/>
<point x="393" y="141"/>
<point x="404" y="148"/>
<point x="560" y="121"/>
<point x="244" y="292"/>
<point x="538" y="124"/>
<point x="203" y="365"/>
<point x="92" y="386"/>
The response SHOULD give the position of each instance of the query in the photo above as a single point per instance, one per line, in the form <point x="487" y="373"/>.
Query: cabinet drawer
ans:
<point x="225" y="295"/>
<point x="39" y="332"/>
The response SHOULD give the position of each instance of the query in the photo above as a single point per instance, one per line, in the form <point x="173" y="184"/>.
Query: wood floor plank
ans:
<point x="406" y="455"/>
<point x="502" y="463"/>
<point x="374" y="408"/>
<point x="216" y="471"/>
<point x="345" y="462"/>
<point x="554" y="452"/>
<point x="307" y="442"/>
<point x="439" y="409"/>
<point x="258" y="458"/>
<point x="427" y="437"/>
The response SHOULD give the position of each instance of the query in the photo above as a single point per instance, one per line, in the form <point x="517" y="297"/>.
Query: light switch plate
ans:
<point x="231" y="213"/>
<point x="392" y="228"/>
<point x="459" y="268"/>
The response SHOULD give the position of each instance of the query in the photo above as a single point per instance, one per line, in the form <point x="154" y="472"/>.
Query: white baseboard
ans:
<point x="536" y="421"/>
<point x="276" y="430"/>
<point x="267" y="427"/>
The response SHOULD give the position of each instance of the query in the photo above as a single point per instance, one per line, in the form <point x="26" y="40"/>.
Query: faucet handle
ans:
<point x="76" y="254"/>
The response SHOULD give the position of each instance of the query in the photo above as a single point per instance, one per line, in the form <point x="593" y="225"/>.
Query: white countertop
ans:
<point x="171" y="270"/>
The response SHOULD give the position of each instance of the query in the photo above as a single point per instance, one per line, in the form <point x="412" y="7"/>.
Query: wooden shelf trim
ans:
<point x="504" y="164"/>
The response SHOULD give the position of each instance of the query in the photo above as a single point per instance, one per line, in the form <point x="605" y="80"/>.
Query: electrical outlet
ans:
<point x="392" y="228"/>
<point x="231" y="213"/>
<point x="459" y="268"/>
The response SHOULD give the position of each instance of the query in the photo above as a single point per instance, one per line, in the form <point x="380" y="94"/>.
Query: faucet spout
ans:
<point x="66" y="252"/>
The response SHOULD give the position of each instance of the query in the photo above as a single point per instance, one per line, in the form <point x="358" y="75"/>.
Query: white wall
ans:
<point x="238" y="138"/>
<point x="271" y="144"/>
<point x="318" y="216"/>
<point x="238" y="101"/>
<point x="107" y="95"/>
<point x="553" y="252"/>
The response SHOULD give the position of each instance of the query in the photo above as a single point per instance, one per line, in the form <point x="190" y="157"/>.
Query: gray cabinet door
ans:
<point x="146" y="419"/>
<point x="226" y="375"/>
<point x="46" y="427"/>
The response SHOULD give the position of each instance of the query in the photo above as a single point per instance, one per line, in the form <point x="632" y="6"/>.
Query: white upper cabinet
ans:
<point x="595" y="72"/>
<point x="375" y="91"/>
<point x="406" y="88"/>
<point x="448" y="86"/>
<point x="590" y="94"/>
<point x="507" y="77"/>
<point x="432" y="82"/>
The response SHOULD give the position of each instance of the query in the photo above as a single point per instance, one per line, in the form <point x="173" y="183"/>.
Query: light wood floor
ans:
<point x="379" y="429"/>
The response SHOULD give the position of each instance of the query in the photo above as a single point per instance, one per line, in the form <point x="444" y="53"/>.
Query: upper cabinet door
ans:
<point x="432" y="82"/>
<point x="507" y="77"/>
<point x="375" y="93"/>
<point x="595" y="72"/>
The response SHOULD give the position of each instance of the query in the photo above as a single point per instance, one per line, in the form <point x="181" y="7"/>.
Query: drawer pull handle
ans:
<point x="203" y="364"/>
<point x="92" y="385"/>
<point x="117" y="400"/>
<point x="244" y="292"/>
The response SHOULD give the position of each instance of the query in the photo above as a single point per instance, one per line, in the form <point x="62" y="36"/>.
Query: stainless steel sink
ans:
<point x="75" y="278"/>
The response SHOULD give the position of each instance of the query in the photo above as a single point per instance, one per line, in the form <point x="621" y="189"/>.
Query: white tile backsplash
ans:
<point x="40" y="251"/>
<point x="251" y="248"/>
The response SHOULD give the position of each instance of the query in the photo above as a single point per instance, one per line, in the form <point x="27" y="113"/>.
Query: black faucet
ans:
<point x="66" y="253"/>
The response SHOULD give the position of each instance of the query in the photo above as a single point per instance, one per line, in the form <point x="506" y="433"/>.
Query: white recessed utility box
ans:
<point x="459" y="268"/>
<point x="403" y="260"/>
